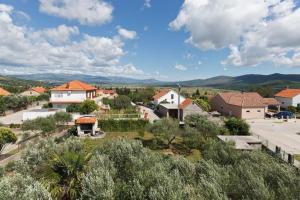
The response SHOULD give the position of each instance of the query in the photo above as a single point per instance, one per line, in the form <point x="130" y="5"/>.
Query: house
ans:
<point x="167" y="96"/>
<point x="245" y="105"/>
<point x="35" y="91"/>
<point x="3" y="92"/>
<point x="73" y="92"/>
<point x="187" y="107"/>
<point x="87" y="125"/>
<point x="103" y="93"/>
<point x="288" y="97"/>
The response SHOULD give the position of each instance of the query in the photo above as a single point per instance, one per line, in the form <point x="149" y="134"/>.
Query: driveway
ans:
<point x="151" y="115"/>
<point x="16" y="118"/>
<point x="285" y="135"/>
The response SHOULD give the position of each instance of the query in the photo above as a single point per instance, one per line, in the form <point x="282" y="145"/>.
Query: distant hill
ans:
<point x="16" y="85"/>
<point x="61" y="78"/>
<point x="276" y="81"/>
<point x="244" y="82"/>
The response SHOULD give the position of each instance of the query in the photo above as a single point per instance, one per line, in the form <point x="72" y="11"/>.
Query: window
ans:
<point x="69" y="93"/>
<point x="258" y="110"/>
<point x="282" y="102"/>
<point x="58" y="95"/>
<point x="248" y="111"/>
<point x="221" y="107"/>
<point x="172" y="96"/>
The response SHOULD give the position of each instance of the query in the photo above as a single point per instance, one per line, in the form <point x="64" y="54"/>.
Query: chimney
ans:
<point x="68" y="85"/>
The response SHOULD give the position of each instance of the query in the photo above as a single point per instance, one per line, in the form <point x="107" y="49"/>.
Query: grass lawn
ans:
<point x="177" y="147"/>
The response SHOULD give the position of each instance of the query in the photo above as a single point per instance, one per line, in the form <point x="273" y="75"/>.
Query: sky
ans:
<point x="163" y="39"/>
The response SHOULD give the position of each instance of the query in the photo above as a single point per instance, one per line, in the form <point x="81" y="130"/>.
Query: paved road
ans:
<point x="16" y="118"/>
<point x="151" y="115"/>
<point x="283" y="134"/>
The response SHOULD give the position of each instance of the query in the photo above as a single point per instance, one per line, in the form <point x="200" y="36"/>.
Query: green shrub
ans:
<point x="73" y="108"/>
<point x="237" y="126"/>
<point x="88" y="106"/>
<point x="111" y="125"/>
<point x="6" y="136"/>
<point x="292" y="109"/>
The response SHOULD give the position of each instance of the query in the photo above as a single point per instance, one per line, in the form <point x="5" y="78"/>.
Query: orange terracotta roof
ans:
<point x="66" y="102"/>
<point x="86" y="120"/>
<point x="39" y="89"/>
<point x="270" y="101"/>
<point x="4" y="92"/>
<point x="243" y="99"/>
<point x="74" y="85"/>
<point x="288" y="93"/>
<point x="186" y="103"/>
<point x="103" y="91"/>
<point x="161" y="93"/>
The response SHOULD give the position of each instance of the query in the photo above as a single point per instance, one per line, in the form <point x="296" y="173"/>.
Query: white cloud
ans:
<point x="126" y="34"/>
<point x="54" y="50"/>
<point x="180" y="67"/>
<point x="87" y="12"/>
<point x="255" y="31"/>
<point x="147" y="3"/>
<point x="188" y="56"/>
<point x="199" y="62"/>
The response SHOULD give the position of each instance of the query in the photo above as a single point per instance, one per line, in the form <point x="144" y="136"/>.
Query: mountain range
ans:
<point x="229" y="82"/>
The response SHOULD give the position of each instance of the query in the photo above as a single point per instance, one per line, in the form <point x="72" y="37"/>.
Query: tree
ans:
<point x="203" y="104"/>
<point x="237" y="126"/>
<point x="62" y="117"/>
<point x="6" y="136"/>
<point x="73" y="108"/>
<point x="88" y="106"/>
<point x="45" y="125"/>
<point x="292" y="109"/>
<point x="165" y="130"/>
<point x="62" y="174"/>
<point x="122" y="102"/>
<point x="22" y="188"/>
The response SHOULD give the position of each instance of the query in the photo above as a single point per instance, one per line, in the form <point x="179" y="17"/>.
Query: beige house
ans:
<point x="245" y="105"/>
<point x="35" y="91"/>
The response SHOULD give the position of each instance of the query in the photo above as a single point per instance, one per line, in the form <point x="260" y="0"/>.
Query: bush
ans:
<point x="45" y="125"/>
<point x="88" y="106"/>
<point x="292" y="109"/>
<point x="237" y="126"/>
<point x="121" y="102"/>
<point x="73" y="108"/>
<point x="203" y="104"/>
<point x="6" y="136"/>
<point x="111" y="125"/>
<point x="62" y="117"/>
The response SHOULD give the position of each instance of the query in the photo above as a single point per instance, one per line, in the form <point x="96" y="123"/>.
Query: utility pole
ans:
<point x="179" y="89"/>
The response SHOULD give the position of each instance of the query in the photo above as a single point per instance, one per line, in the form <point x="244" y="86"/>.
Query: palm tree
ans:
<point x="61" y="175"/>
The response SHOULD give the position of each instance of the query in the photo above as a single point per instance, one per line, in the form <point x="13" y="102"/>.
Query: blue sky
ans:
<point x="162" y="39"/>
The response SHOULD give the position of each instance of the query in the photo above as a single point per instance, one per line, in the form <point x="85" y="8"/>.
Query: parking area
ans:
<point x="16" y="118"/>
<point x="285" y="135"/>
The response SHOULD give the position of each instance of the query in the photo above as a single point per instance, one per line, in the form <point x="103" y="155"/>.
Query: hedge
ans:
<point x="127" y="125"/>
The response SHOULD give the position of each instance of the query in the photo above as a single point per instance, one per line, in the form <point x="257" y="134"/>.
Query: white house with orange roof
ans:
<point x="167" y="96"/>
<point x="187" y="107"/>
<point x="288" y="97"/>
<point x="73" y="92"/>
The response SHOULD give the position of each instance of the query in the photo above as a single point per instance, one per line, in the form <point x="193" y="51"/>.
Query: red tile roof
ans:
<point x="161" y="93"/>
<point x="74" y="85"/>
<point x="4" y="92"/>
<point x="270" y="101"/>
<point x="101" y="91"/>
<point x="288" y="93"/>
<point x="186" y="103"/>
<point x="86" y="120"/>
<point x="243" y="99"/>
<point x="39" y="89"/>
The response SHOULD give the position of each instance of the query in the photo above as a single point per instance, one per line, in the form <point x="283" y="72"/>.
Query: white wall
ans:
<point x="168" y="98"/>
<point x="285" y="102"/>
<point x="30" y="115"/>
<point x="68" y="96"/>
<point x="296" y="100"/>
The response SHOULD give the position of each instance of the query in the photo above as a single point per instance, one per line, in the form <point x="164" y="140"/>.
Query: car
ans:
<point x="284" y="115"/>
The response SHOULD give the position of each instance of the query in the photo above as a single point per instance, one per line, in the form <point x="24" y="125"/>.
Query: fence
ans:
<point x="284" y="155"/>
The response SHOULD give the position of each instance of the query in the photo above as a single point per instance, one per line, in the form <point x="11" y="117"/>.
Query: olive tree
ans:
<point x="6" y="136"/>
